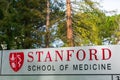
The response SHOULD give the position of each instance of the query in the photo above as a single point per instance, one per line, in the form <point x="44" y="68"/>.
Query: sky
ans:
<point x="110" y="5"/>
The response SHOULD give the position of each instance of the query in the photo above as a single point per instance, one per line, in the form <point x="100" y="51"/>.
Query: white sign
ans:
<point x="89" y="60"/>
<point x="0" y="62"/>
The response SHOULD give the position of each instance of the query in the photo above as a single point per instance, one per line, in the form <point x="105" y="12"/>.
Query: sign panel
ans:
<point x="89" y="60"/>
<point x="0" y="62"/>
<point x="65" y="77"/>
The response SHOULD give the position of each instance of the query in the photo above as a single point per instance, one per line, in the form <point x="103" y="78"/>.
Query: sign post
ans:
<point x="86" y="61"/>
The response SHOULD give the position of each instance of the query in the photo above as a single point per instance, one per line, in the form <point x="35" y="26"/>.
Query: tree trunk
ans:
<point x="69" y="24"/>
<point x="47" y="25"/>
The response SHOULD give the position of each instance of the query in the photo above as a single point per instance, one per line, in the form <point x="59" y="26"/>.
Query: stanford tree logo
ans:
<point x="16" y="60"/>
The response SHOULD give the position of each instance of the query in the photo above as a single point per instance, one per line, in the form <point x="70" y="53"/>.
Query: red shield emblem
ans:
<point x="16" y="60"/>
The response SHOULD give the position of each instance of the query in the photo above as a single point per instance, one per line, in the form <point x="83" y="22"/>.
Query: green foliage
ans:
<point x="90" y="25"/>
<point x="22" y="23"/>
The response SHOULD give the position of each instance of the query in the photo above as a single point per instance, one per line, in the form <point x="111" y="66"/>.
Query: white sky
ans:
<point x="110" y="5"/>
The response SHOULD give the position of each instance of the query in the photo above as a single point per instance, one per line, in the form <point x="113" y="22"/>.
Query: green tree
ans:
<point x="22" y="22"/>
<point x="19" y="28"/>
<point x="107" y="31"/>
<point x="7" y="23"/>
<point x="117" y="31"/>
<point x="95" y="28"/>
<point x="114" y="29"/>
<point x="85" y="19"/>
<point x="54" y="15"/>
